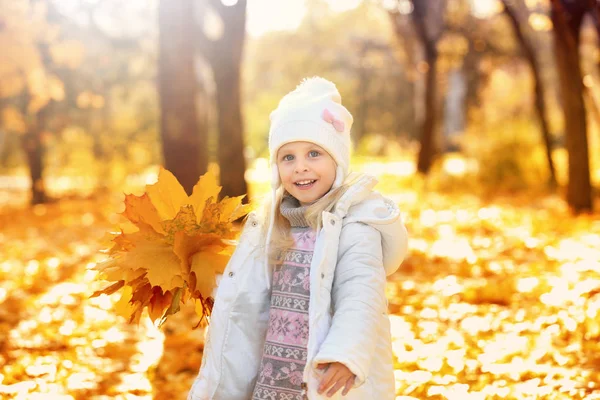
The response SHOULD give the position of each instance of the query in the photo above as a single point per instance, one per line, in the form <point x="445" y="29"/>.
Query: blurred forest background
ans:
<point x="487" y="95"/>
<point x="481" y="118"/>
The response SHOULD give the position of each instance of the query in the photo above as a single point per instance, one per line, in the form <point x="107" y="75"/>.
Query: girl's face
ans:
<point x="307" y="172"/>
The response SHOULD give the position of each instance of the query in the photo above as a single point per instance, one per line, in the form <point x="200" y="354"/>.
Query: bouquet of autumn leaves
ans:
<point x="181" y="243"/>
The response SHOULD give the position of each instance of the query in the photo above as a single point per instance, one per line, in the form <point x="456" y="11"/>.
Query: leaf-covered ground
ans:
<point x="496" y="301"/>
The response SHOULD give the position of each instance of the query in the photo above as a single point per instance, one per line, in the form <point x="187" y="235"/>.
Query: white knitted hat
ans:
<point x="313" y="112"/>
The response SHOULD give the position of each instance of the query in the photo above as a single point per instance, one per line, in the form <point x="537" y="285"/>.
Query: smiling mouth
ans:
<point x="305" y="183"/>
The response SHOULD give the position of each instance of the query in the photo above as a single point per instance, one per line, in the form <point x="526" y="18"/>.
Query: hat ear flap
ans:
<point x="275" y="181"/>
<point x="339" y="177"/>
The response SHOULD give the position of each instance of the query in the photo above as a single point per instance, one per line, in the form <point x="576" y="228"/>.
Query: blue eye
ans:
<point x="314" y="153"/>
<point x="288" y="157"/>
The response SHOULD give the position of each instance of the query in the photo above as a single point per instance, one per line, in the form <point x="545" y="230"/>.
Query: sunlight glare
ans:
<point x="81" y="380"/>
<point x="485" y="8"/>
<point x="267" y="15"/>
<point x="260" y="171"/>
<point x="343" y="5"/>
<point x="455" y="166"/>
<point x="525" y="285"/>
<point x="53" y="262"/>
<point x="540" y="22"/>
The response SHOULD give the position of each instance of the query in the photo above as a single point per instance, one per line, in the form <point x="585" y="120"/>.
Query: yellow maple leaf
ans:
<point x="207" y="264"/>
<point x="152" y="253"/>
<point x="184" y="221"/>
<point x="185" y="246"/>
<point x="206" y="188"/>
<point x="167" y="195"/>
<point x="232" y="208"/>
<point x="139" y="209"/>
<point x="116" y="273"/>
<point x="123" y="307"/>
<point x="109" y="290"/>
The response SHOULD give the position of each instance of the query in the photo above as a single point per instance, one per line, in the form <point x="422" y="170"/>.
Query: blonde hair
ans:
<point x="280" y="237"/>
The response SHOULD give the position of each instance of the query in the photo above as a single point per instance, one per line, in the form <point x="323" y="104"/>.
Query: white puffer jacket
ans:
<point x="359" y="244"/>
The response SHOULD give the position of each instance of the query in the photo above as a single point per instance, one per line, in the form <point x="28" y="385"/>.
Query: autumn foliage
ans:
<point x="181" y="244"/>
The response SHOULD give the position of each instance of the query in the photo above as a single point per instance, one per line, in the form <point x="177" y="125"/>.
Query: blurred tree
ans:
<point x="593" y="102"/>
<point x="476" y="45"/>
<point x="116" y="105"/>
<point x="224" y="51"/>
<point x="184" y="139"/>
<point x="567" y="17"/>
<point x="594" y="7"/>
<point x="37" y="62"/>
<point x="427" y="17"/>
<point x="513" y="9"/>
<point x="366" y="74"/>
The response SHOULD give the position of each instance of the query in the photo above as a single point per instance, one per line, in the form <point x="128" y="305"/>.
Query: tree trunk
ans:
<point x="232" y="162"/>
<point x="427" y="19"/>
<point x="34" y="151"/>
<point x="473" y="77"/>
<point x="567" y="23"/>
<point x="407" y="38"/>
<point x="184" y="144"/>
<point x="35" y="154"/>
<point x="363" y="82"/>
<point x="454" y="104"/>
<point x="225" y="56"/>
<point x="427" y="150"/>
<point x="594" y="8"/>
<point x="540" y="103"/>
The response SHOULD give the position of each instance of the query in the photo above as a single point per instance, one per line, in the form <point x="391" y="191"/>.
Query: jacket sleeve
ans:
<point x="199" y="389"/>
<point x="358" y="301"/>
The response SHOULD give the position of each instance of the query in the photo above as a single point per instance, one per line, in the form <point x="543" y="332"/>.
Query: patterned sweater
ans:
<point x="284" y="354"/>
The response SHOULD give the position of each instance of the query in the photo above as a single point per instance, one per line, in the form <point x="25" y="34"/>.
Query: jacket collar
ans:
<point x="362" y="204"/>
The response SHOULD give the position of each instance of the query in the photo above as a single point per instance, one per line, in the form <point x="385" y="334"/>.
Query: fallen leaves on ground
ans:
<point x="496" y="301"/>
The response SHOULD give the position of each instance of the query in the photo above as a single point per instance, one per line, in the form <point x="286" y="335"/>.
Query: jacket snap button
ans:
<point x="322" y="275"/>
<point x="303" y="385"/>
<point x="254" y="223"/>
<point x="231" y="274"/>
<point x="333" y="222"/>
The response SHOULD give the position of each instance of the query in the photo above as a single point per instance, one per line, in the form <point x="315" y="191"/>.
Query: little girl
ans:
<point x="300" y="312"/>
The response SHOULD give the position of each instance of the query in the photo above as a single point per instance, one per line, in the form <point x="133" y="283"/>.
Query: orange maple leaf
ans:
<point x="139" y="209"/>
<point x="181" y="244"/>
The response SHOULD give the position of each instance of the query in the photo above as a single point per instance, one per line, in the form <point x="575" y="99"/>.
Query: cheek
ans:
<point x="332" y="170"/>
<point x="284" y="172"/>
<point x="328" y="172"/>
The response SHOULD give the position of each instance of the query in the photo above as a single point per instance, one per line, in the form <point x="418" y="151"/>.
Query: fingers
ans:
<point x="348" y="385"/>
<point x="335" y="377"/>
<point x="330" y="377"/>
<point x="322" y="366"/>
<point x="338" y="385"/>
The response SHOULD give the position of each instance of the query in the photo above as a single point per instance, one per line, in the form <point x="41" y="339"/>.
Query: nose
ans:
<point x="301" y="166"/>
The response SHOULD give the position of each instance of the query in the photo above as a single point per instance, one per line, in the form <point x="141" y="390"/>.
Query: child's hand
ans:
<point x="336" y="376"/>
